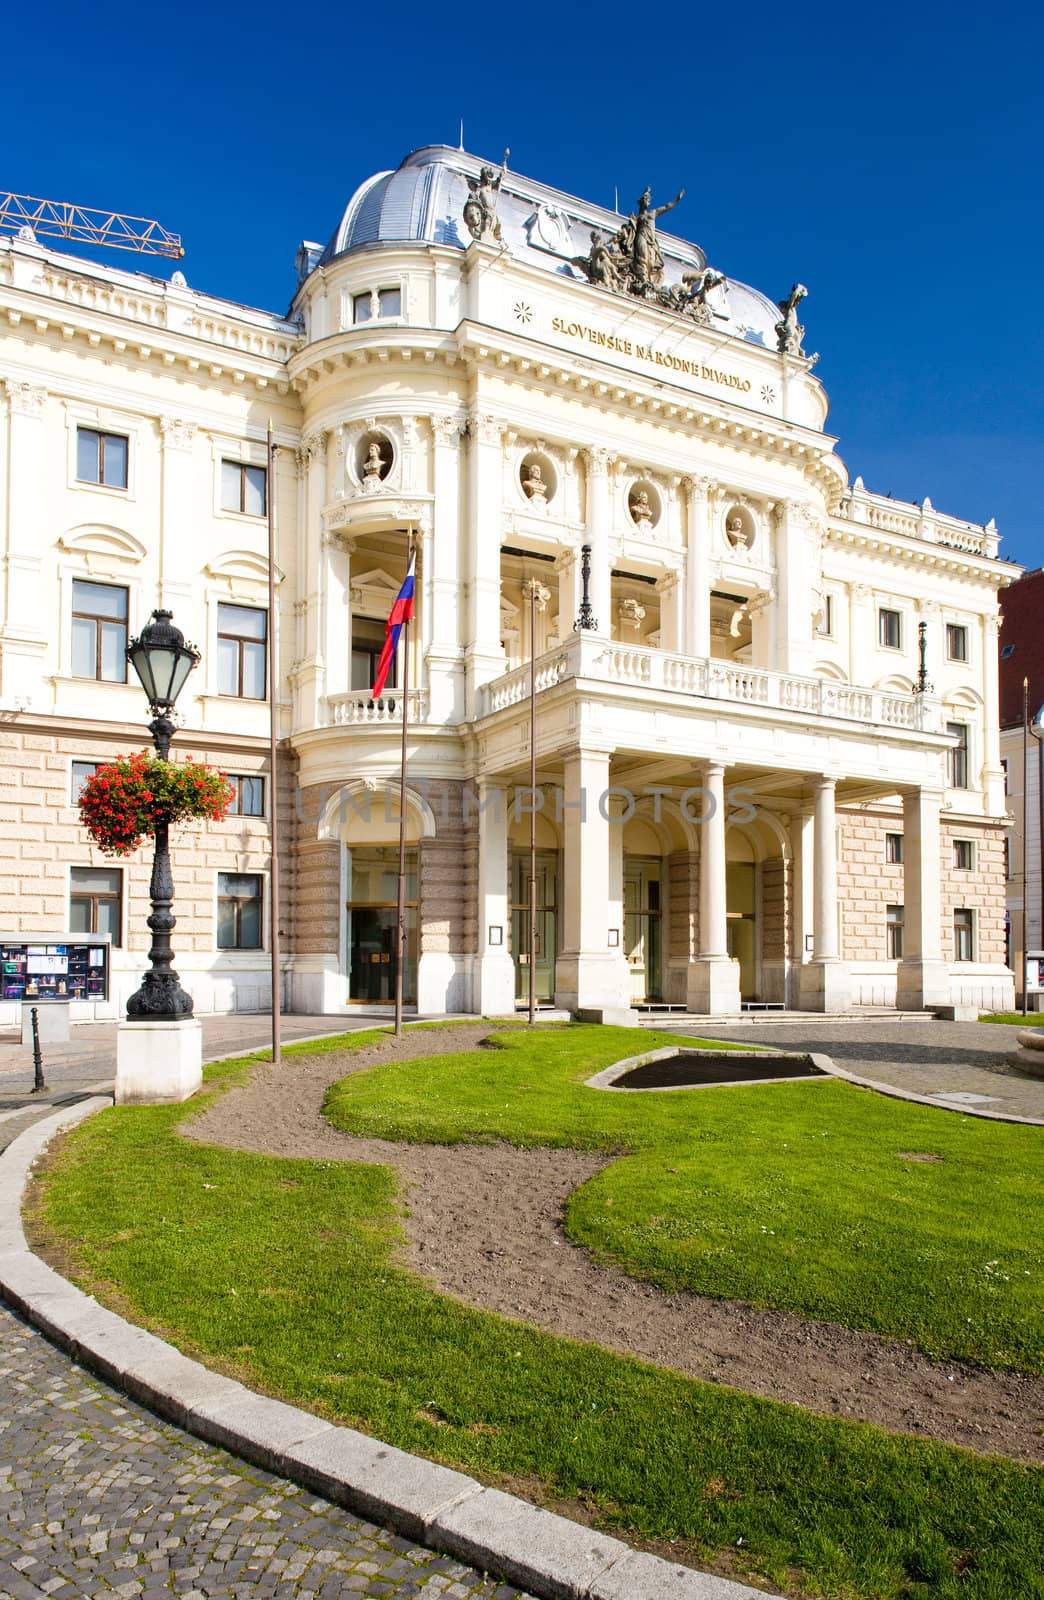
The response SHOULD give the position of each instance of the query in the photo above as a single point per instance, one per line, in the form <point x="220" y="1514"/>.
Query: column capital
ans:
<point x="597" y="460"/>
<point x="484" y="428"/>
<point x="178" y="433"/>
<point x="698" y="488"/>
<point x="25" y="399"/>
<point x="446" y="431"/>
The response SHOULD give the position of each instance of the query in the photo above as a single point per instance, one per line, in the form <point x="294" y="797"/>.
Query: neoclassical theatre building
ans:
<point x="766" y="722"/>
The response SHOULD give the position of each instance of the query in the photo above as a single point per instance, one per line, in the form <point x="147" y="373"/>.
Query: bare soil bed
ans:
<point x="484" y="1223"/>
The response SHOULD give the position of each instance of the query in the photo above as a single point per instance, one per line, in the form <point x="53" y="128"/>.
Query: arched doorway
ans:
<point x="546" y="907"/>
<point x="644" y="886"/>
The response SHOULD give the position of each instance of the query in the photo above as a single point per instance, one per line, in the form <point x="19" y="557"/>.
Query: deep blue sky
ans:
<point x="887" y="156"/>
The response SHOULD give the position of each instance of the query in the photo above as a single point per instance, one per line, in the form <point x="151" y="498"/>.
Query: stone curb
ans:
<point x="827" y="1064"/>
<point x="553" y="1558"/>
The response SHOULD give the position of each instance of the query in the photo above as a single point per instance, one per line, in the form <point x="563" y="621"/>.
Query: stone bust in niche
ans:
<point x="738" y="536"/>
<point x="535" y="488"/>
<point x="641" y="510"/>
<point x="375" y="468"/>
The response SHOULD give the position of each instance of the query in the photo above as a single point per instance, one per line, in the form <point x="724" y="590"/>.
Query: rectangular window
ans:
<point x="956" y="642"/>
<point x="964" y="855"/>
<point x="367" y="644"/>
<point x="101" y="458"/>
<point x="362" y="307"/>
<point x="963" y="935"/>
<point x="889" y="629"/>
<point x="957" y="756"/>
<point x="893" y="848"/>
<point x="96" y="901"/>
<point x="825" y="626"/>
<point x="99" y="631"/>
<point x="239" y="911"/>
<point x="389" y="302"/>
<point x="242" y="647"/>
<point x="248" y="797"/>
<point x="894" y="933"/>
<point x="81" y="771"/>
<point x="243" y="488"/>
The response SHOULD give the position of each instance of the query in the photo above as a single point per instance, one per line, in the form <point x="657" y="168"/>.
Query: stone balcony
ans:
<point x="666" y="677"/>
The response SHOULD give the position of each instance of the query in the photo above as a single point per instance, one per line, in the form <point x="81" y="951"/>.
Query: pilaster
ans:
<point x="590" y="975"/>
<point x="923" y="977"/>
<point x="598" y="523"/>
<point x="483" y="653"/>
<point x="696" y="639"/>
<point x="825" y="980"/>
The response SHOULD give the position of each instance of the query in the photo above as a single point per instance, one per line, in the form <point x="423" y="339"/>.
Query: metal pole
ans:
<point x="273" y="781"/>
<point x="532" y="804"/>
<point x="400" y="924"/>
<point x="39" y="1087"/>
<point x="1025" y="841"/>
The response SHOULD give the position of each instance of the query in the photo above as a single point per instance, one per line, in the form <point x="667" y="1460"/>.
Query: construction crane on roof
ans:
<point x="60" y="219"/>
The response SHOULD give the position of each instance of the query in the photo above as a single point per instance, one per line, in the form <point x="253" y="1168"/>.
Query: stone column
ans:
<point x="993" y="772"/>
<point x="713" y="978"/>
<point x="311" y="685"/>
<point x="493" y="993"/>
<point x="795" y="574"/>
<point x="590" y="976"/>
<point x="696" y="637"/>
<point x="670" y="590"/>
<point x="825" y="980"/>
<point x="923" y="977"/>
<point x="335" y="643"/>
<point x="598" y="523"/>
<point x="25" y="605"/>
<point x="444" y="654"/>
<point x="862" y="632"/>
<point x="175" y="495"/>
<point x="483" y="653"/>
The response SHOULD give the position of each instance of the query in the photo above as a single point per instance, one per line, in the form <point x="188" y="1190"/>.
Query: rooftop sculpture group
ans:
<point x="630" y="261"/>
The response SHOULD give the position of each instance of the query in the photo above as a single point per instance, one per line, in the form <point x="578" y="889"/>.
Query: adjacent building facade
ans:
<point x="1022" y="756"/>
<point x="767" y="748"/>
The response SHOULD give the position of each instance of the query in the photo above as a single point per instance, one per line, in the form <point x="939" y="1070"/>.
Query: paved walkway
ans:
<point x="956" y="1063"/>
<point x="97" y="1497"/>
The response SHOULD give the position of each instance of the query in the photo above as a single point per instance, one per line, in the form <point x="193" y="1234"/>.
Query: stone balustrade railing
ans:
<point x="355" y="709"/>
<point x="661" y="672"/>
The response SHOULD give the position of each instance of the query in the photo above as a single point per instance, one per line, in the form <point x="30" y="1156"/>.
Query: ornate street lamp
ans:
<point x="162" y="661"/>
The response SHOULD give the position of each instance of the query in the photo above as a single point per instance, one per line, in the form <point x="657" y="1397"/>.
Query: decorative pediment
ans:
<point x="100" y="539"/>
<point x="242" y="566"/>
<point x="373" y="593"/>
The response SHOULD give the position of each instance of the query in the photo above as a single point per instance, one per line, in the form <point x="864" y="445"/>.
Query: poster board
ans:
<point x="62" y="969"/>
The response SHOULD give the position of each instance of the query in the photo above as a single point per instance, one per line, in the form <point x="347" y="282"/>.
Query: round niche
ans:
<point x="643" y="505"/>
<point x="740" y="528"/>
<point x="537" y="479"/>
<point x="374" y="459"/>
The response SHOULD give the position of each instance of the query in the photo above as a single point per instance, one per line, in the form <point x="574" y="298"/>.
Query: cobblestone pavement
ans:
<point x="98" y="1497"/>
<point x="941" y="1059"/>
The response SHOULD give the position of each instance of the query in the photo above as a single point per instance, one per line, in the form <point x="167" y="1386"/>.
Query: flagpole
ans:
<point x="273" y="798"/>
<point x="400" y="924"/>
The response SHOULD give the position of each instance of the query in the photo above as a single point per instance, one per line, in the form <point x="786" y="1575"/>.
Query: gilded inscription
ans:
<point x="647" y="353"/>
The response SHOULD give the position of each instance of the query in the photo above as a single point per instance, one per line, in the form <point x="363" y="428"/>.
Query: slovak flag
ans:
<point x="401" y="612"/>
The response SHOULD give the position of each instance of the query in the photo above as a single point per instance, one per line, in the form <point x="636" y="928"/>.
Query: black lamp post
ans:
<point x="162" y="661"/>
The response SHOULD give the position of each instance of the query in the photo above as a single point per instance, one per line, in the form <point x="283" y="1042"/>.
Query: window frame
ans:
<point x="97" y="619"/>
<point x="240" y="640"/>
<point x="237" y="901"/>
<point x="825" y="630"/>
<point x="237" y="779"/>
<point x="895" y="924"/>
<point x="372" y="298"/>
<point x="243" y="468"/>
<point x="962" y="927"/>
<point x="94" y="898"/>
<point x="74" y="793"/>
<point x="895" y="846"/>
<point x="963" y="846"/>
<point x="882" y="642"/>
<point x="958" y="757"/>
<point x="101" y="435"/>
<point x="957" y="632"/>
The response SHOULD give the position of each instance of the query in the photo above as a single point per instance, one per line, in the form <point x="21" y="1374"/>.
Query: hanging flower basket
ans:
<point x="125" y="800"/>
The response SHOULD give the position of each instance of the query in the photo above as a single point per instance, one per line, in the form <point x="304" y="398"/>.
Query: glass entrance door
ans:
<point x="741" y="925"/>
<point x="372" y="918"/>
<point x="643" y="927"/>
<point x="546" y="923"/>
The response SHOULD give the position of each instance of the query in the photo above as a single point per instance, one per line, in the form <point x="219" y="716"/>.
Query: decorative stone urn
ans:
<point x="1030" y="1058"/>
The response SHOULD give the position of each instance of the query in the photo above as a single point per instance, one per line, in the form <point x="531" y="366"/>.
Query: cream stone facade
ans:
<point x="728" y="744"/>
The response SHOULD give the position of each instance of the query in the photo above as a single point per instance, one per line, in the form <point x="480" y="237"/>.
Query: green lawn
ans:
<point x="1032" y="1019"/>
<point x="282" y="1272"/>
<point x="791" y="1195"/>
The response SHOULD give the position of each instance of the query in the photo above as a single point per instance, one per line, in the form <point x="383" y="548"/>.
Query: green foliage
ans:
<point x="283" y="1272"/>
<point x="798" y="1196"/>
<point x="124" y="800"/>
